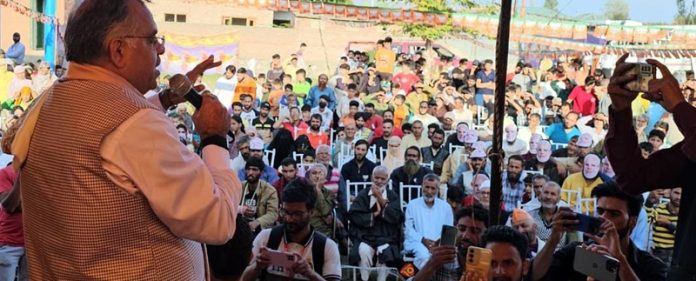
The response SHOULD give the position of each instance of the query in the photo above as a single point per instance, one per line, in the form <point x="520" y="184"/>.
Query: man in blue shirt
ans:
<point x="485" y="83"/>
<point x="563" y="132"/>
<point x="16" y="51"/>
<point x="322" y="89"/>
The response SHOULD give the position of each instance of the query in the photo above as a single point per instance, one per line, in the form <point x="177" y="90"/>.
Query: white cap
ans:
<point x="585" y="140"/>
<point x="478" y="153"/>
<point x="256" y="144"/>
<point x="485" y="185"/>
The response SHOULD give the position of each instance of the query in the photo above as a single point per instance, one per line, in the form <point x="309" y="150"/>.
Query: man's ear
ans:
<point x="116" y="49"/>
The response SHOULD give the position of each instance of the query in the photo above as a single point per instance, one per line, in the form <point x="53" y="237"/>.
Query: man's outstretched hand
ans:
<point x="620" y="97"/>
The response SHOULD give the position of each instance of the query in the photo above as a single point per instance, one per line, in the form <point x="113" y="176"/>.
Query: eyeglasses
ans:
<point x="154" y="40"/>
<point x="285" y="213"/>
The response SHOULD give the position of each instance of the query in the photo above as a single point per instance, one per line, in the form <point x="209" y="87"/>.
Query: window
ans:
<point x="174" y="18"/>
<point x="236" y="21"/>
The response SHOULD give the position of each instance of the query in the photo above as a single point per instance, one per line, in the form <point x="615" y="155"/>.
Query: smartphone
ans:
<point x="281" y="259"/>
<point x="598" y="266"/>
<point x="448" y="236"/>
<point x="478" y="261"/>
<point x="644" y="73"/>
<point x="586" y="224"/>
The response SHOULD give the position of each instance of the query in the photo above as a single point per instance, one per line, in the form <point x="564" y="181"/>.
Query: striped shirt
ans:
<point x="663" y="237"/>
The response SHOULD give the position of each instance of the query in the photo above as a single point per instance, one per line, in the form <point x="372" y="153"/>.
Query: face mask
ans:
<point x="322" y="104"/>
<point x="511" y="136"/>
<point x="182" y="136"/>
<point x="590" y="172"/>
<point x="543" y="158"/>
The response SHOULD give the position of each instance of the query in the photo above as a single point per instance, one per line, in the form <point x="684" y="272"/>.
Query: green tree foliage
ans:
<point x="616" y="9"/>
<point x="686" y="12"/>
<point x="551" y="4"/>
<point x="435" y="6"/>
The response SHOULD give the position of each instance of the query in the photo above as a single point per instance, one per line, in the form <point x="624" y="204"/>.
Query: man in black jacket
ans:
<point x="375" y="218"/>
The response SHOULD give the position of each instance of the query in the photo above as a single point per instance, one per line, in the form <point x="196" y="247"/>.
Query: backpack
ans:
<point x="318" y="244"/>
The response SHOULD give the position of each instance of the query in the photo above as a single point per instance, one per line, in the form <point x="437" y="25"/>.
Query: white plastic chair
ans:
<point x="406" y="194"/>
<point x="557" y="146"/>
<point x="572" y="197"/>
<point x="452" y="148"/>
<point x="588" y="206"/>
<point x="352" y="189"/>
<point x="449" y="133"/>
<point x="270" y="156"/>
<point x="299" y="158"/>
<point x="428" y="165"/>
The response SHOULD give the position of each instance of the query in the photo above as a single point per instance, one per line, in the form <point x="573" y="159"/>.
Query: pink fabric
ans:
<point x="583" y="102"/>
<point x="11" y="230"/>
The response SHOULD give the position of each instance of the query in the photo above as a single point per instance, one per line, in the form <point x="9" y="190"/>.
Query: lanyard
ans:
<point x="253" y="197"/>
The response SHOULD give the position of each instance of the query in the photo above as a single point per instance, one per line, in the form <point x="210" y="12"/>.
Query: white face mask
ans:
<point x="591" y="166"/>
<point x="182" y="136"/>
<point x="510" y="135"/>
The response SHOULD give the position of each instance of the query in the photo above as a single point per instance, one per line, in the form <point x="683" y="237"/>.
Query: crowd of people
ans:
<point x="372" y="160"/>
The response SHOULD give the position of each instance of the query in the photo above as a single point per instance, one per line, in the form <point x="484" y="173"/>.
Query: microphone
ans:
<point x="180" y="85"/>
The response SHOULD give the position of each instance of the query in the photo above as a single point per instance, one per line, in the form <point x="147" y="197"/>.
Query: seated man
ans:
<point x="584" y="181"/>
<point x="545" y="163"/>
<point x="411" y="173"/>
<point x="525" y="224"/>
<point x="477" y="161"/>
<point x="259" y="204"/>
<point x="425" y="217"/>
<point x="549" y="201"/>
<point x="268" y="173"/>
<point x="471" y="223"/>
<point x="295" y="236"/>
<point x="322" y="219"/>
<point x="375" y="218"/>
<point x="619" y="212"/>
<point x="288" y="171"/>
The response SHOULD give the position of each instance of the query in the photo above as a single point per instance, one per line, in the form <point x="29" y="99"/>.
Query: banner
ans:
<point x="50" y="35"/>
<point x="184" y="52"/>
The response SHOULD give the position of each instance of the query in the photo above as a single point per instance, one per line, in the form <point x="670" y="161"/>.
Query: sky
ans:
<point x="660" y="11"/>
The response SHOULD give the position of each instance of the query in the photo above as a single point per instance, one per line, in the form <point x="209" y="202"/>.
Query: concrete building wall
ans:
<point x="11" y="21"/>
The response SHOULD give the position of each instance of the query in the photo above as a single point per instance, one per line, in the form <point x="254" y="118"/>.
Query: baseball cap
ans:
<point x="449" y="115"/>
<point x="19" y="69"/>
<point x="585" y="140"/>
<point x="557" y="101"/>
<point x="478" y="153"/>
<point x="266" y="105"/>
<point x="256" y="144"/>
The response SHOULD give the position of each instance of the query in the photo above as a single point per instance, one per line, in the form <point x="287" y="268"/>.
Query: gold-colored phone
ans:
<point x="478" y="261"/>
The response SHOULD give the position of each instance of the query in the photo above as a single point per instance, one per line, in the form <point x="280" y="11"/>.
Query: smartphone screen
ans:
<point x="448" y="236"/>
<point x="588" y="224"/>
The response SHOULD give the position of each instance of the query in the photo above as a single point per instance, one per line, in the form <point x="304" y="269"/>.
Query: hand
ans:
<point x="212" y="118"/>
<point x="427" y="242"/>
<point x="662" y="222"/>
<point x="620" y="97"/>
<point x="441" y="255"/>
<point x="609" y="242"/>
<point x="254" y="225"/>
<point x="249" y="212"/>
<point x="301" y="266"/>
<point x="262" y="259"/>
<point x="201" y="67"/>
<point x="665" y="91"/>
<point x="472" y="276"/>
<point x="561" y="220"/>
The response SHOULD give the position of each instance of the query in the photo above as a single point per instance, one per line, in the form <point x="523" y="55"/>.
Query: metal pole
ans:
<point x="501" y="60"/>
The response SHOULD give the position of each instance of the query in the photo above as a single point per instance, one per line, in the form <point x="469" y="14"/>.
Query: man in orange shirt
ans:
<point x="385" y="59"/>
<point x="275" y="96"/>
<point x="315" y="135"/>
<point x="245" y="85"/>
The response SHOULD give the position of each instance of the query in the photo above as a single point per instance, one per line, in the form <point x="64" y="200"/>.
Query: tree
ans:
<point x="551" y="4"/>
<point x="616" y="9"/>
<point x="686" y="12"/>
<point x="430" y="33"/>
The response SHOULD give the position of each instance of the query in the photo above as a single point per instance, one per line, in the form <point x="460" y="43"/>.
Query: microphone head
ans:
<point x="179" y="84"/>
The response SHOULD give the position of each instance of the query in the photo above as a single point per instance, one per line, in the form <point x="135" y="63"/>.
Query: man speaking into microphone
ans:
<point x="109" y="192"/>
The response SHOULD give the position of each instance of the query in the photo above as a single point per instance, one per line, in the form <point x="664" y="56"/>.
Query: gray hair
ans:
<point x="554" y="185"/>
<point x="245" y="139"/>
<point x="432" y="177"/>
<point x="318" y="166"/>
<point x="323" y="147"/>
<point x="380" y="169"/>
<point x="92" y="24"/>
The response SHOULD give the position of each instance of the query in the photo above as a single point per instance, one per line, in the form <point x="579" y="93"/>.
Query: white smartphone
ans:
<point x="598" y="266"/>
<point x="281" y="259"/>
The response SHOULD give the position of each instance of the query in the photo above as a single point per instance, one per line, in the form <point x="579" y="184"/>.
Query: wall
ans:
<point x="12" y="21"/>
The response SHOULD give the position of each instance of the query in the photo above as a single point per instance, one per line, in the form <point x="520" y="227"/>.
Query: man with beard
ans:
<point x="664" y="219"/>
<point x="423" y="116"/>
<point x="288" y="172"/>
<point x="248" y="112"/>
<point x="373" y="121"/>
<point x="315" y="134"/>
<point x="375" y="218"/>
<point x="521" y="221"/>
<point x="243" y="145"/>
<point x="525" y="133"/>
<point x="508" y="248"/>
<point x="358" y="169"/>
<point x="382" y="142"/>
<point x="259" y="202"/>
<point x="549" y="201"/>
<point x="321" y="89"/>
<point x="583" y="147"/>
<point x="315" y="256"/>
<point x="471" y="223"/>
<point x="425" y="217"/>
<point x="619" y="213"/>
<point x="583" y="181"/>
<point x="544" y="163"/>
<point x="411" y="173"/>
<point x="533" y="142"/>
<point x="453" y="164"/>
<point x="325" y="112"/>
<point x="264" y="123"/>
<point x="569" y="151"/>
<point x="362" y="132"/>
<point x="513" y="184"/>
<point x="512" y="144"/>
<point x="561" y="132"/>
<point x="435" y="153"/>
<point x="293" y="123"/>
<point x="268" y="173"/>
<point x="16" y="50"/>
<point x="245" y="85"/>
<point x="417" y="138"/>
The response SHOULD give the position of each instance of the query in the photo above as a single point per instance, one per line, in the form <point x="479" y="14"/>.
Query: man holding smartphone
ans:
<point x="619" y="214"/>
<point x="667" y="168"/>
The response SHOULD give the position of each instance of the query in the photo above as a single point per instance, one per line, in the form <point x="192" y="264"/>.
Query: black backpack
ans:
<point x="318" y="244"/>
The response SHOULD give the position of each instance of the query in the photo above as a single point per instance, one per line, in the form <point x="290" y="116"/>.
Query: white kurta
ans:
<point x="423" y="221"/>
